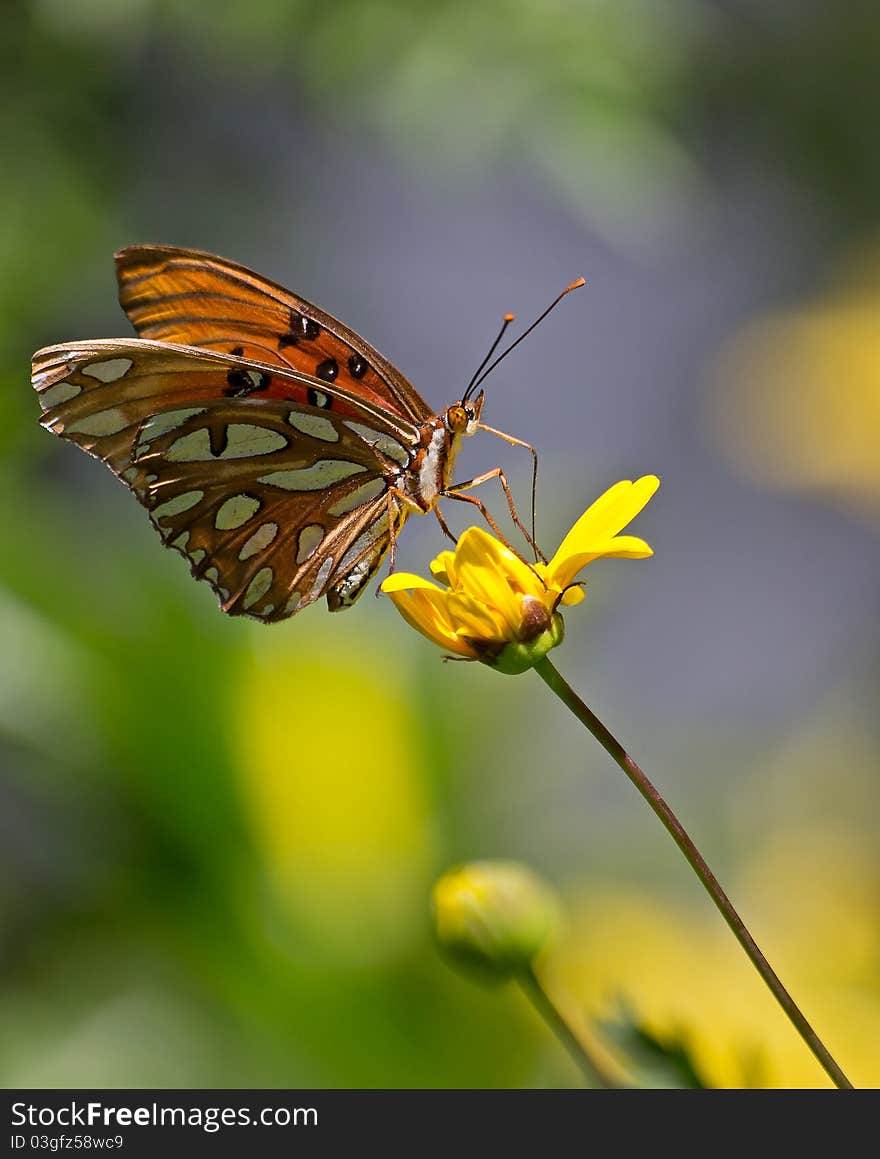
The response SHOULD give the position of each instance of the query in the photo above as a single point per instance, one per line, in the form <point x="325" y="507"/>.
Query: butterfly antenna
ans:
<point x="508" y="318"/>
<point x="485" y="373"/>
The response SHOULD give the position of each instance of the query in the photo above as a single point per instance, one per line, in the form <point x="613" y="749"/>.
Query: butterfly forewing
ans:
<point x="274" y="502"/>
<point x="194" y="298"/>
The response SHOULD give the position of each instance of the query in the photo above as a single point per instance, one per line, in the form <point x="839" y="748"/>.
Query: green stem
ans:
<point x="710" y="883"/>
<point x="583" y="1053"/>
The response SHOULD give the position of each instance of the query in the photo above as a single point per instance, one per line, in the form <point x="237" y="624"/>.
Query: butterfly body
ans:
<point x="439" y="444"/>
<point x="273" y="447"/>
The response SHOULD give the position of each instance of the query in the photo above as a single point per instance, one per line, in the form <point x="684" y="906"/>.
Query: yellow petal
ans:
<point x="596" y="529"/>
<point x="474" y="544"/>
<point x="400" y="581"/>
<point x="629" y="547"/>
<point x="520" y="574"/>
<point x="484" y="581"/>
<point x="573" y="596"/>
<point x="503" y="576"/>
<point x="443" y="568"/>
<point x="524" y="577"/>
<point x="475" y="619"/>
<point x="621" y="547"/>
<point x="609" y="514"/>
<point x="425" y="611"/>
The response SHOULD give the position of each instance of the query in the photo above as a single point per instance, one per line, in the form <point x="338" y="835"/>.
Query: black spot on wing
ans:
<point x="328" y="370"/>
<point x="303" y="327"/>
<point x="244" y="382"/>
<point x="357" y="366"/>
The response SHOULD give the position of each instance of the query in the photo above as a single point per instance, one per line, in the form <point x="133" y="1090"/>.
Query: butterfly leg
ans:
<point x="403" y="499"/>
<point x="514" y="442"/>
<point x="456" y="493"/>
<point x="443" y="526"/>
<point x="481" y="507"/>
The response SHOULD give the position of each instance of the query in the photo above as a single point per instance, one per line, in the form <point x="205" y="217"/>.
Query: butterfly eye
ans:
<point x="457" y="419"/>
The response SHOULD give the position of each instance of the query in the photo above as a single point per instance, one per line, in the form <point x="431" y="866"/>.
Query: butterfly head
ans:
<point x="463" y="417"/>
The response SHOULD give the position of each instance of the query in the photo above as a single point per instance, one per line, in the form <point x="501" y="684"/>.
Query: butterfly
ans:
<point x="272" y="446"/>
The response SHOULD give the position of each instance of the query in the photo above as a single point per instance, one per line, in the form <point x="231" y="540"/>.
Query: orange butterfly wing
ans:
<point x="198" y="299"/>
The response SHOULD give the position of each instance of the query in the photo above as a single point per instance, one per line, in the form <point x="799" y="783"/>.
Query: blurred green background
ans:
<point x="217" y="840"/>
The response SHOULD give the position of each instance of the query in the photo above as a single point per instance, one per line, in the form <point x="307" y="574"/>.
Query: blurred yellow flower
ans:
<point x="673" y="964"/>
<point x="502" y="611"/>
<point x="797" y="399"/>
<point x="335" y="790"/>
<point x="493" y="916"/>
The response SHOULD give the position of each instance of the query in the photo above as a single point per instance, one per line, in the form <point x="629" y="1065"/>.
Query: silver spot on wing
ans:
<point x="60" y="392"/>
<point x="236" y="511"/>
<point x="111" y="370"/>
<point x="192" y="448"/>
<point x="323" y="473"/>
<point x="259" y="541"/>
<point x="383" y="443"/>
<point x="372" y="537"/>
<point x="258" y="587"/>
<point x="246" y="439"/>
<point x="368" y="491"/>
<point x="321" y="578"/>
<point x="177" y="505"/>
<point x="308" y="541"/>
<point x="104" y="422"/>
<point x="161" y="424"/>
<point x="315" y="426"/>
<point x="359" y="573"/>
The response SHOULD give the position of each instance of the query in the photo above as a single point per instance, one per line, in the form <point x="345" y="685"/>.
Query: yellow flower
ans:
<point x="502" y="611"/>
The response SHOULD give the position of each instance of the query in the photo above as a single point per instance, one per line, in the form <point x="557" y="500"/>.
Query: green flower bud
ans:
<point x="493" y="917"/>
<point x="520" y="655"/>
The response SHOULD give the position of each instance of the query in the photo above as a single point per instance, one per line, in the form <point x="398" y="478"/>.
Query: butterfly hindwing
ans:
<point x="272" y="518"/>
<point x="275" y="503"/>
<point x="198" y="299"/>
